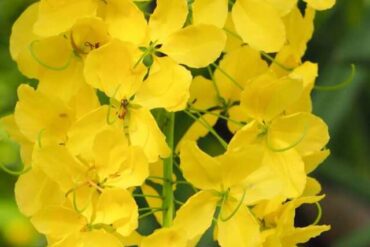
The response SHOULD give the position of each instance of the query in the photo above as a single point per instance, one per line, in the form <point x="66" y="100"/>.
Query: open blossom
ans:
<point x="105" y="142"/>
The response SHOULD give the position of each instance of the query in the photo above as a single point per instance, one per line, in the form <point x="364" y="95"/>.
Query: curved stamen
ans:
<point x="293" y="145"/>
<point x="319" y="213"/>
<point x="340" y="85"/>
<point x="224" y="219"/>
<point x="38" y="60"/>
<point x="74" y="202"/>
<point x="14" y="173"/>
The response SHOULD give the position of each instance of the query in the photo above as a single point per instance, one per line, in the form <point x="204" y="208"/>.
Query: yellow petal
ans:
<point x="168" y="237"/>
<point x="196" y="215"/>
<point x="291" y="236"/>
<point x="126" y="22"/>
<point x="237" y="166"/>
<point x="58" y="222"/>
<point x="203" y="93"/>
<point x="35" y="191"/>
<point x="84" y="101"/>
<point x="288" y="211"/>
<point x="36" y="113"/>
<point x="307" y="72"/>
<point x="99" y="238"/>
<point x="167" y="88"/>
<point x="241" y="64"/>
<point x="266" y="97"/>
<point x="289" y="168"/>
<point x="22" y="34"/>
<point x="116" y="207"/>
<point x="302" y="131"/>
<point x="134" y="169"/>
<point x="145" y="133"/>
<point x="303" y="235"/>
<point x="233" y="39"/>
<point x="245" y="137"/>
<point x="320" y="4"/>
<point x="212" y="12"/>
<point x="110" y="151"/>
<point x="313" y="160"/>
<point x="53" y="53"/>
<point x="299" y="30"/>
<point x="54" y="84"/>
<point x="241" y="230"/>
<point x="88" y="34"/>
<point x="82" y="133"/>
<point x="259" y="25"/>
<point x="65" y="169"/>
<point x="313" y="187"/>
<point x="282" y="6"/>
<point x="110" y="68"/>
<point x="262" y="184"/>
<point x="237" y="113"/>
<point x="199" y="168"/>
<point x="56" y="16"/>
<point x="9" y="125"/>
<point x="134" y="239"/>
<point x="168" y="17"/>
<point x="206" y="41"/>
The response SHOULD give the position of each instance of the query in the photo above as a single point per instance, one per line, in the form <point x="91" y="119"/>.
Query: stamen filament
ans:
<point x="208" y="127"/>
<point x="237" y="84"/>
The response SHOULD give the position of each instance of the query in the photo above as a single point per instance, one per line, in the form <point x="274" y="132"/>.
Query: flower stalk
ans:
<point x="168" y="196"/>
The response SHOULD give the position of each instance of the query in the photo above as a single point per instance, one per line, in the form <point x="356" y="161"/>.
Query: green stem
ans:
<point x="149" y="209"/>
<point x="218" y="93"/>
<point x="147" y="196"/>
<point x="168" y="196"/>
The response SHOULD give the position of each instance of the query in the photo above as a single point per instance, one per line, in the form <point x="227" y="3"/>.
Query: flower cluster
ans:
<point x="88" y="159"/>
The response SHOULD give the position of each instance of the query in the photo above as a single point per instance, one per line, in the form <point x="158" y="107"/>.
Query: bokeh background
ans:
<point x="342" y="38"/>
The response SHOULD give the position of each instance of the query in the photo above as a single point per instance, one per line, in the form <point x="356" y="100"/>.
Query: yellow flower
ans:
<point x="110" y="69"/>
<point x="286" y="138"/>
<point x="45" y="119"/>
<point x="230" y="181"/>
<point x="111" y="163"/>
<point x="167" y="35"/>
<point x="53" y="59"/>
<point x="115" y="216"/>
<point x="285" y="233"/>
<point x="39" y="116"/>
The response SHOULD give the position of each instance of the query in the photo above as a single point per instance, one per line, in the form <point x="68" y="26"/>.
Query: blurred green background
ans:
<point x="342" y="37"/>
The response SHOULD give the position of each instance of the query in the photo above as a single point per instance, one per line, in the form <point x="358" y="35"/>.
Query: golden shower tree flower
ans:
<point x="231" y="182"/>
<point x="115" y="216"/>
<point x="103" y="127"/>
